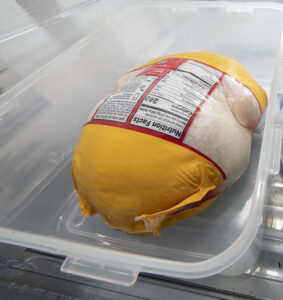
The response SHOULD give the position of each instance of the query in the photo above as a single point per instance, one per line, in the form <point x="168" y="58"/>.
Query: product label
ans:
<point x="172" y="102"/>
<point x="119" y="106"/>
<point x="162" y="100"/>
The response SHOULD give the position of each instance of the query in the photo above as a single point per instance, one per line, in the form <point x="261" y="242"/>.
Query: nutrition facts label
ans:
<point x="164" y="99"/>
<point x="172" y="102"/>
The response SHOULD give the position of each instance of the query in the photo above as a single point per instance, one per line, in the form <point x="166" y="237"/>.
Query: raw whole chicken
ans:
<point x="172" y="137"/>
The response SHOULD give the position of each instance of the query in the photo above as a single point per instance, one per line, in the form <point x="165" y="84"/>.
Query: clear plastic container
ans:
<point x="42" y="115"/>
<point x="36" y="32"/>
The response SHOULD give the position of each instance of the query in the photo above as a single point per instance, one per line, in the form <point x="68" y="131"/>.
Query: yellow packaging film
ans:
<point x="141" y="162"/>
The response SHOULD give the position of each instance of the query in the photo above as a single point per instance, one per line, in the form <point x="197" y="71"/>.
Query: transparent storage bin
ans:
<point x="41" y="117"/>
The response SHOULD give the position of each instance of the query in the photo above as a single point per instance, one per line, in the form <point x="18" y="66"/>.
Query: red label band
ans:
<point x="162" y="101"/>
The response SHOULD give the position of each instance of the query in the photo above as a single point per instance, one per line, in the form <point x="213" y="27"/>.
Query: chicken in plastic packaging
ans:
<point x="172" y="137"/>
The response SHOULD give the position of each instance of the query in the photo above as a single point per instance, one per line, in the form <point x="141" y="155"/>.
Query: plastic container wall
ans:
<point x="38" y="32"/>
